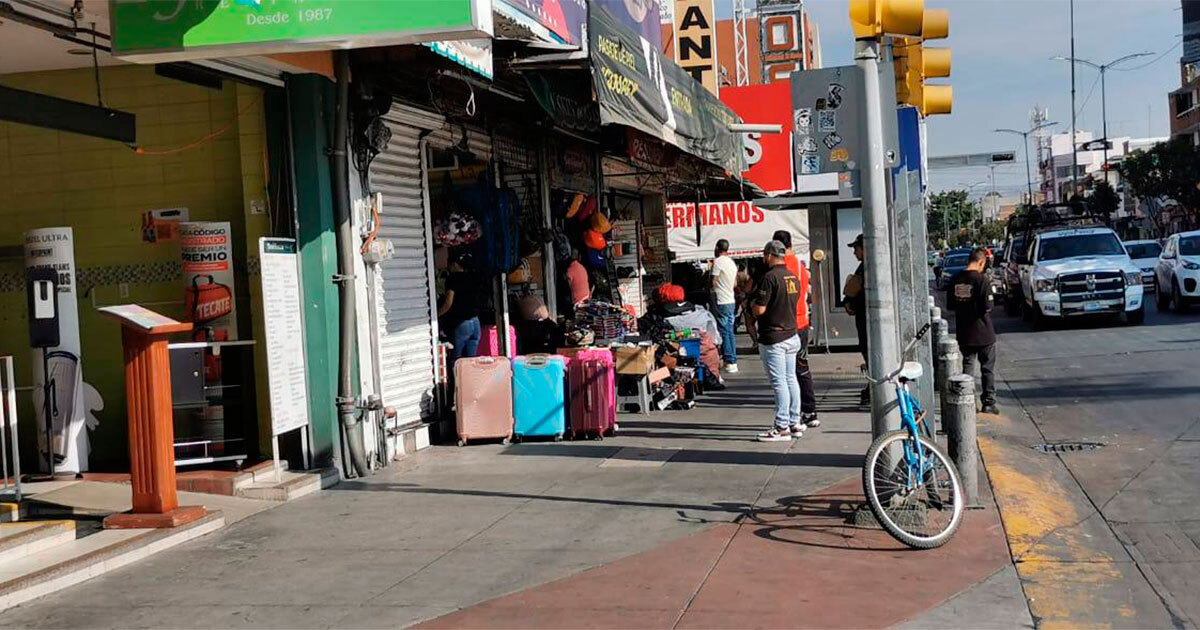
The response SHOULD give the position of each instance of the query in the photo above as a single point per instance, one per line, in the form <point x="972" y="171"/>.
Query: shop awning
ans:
<point x="637" y="87"/>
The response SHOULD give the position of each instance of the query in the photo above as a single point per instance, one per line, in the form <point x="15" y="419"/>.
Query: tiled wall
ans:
<point x="102" y="188"/>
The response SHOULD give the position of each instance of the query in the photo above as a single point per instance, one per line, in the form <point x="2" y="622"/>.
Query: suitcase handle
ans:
<point x="537" y="360"/>
<point x="587" y="390"/>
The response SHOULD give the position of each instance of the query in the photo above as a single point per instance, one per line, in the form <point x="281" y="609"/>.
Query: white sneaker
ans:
<point x="775" y="435"/>
<point x="797" y="430"/>
<point x="731" y="368"/>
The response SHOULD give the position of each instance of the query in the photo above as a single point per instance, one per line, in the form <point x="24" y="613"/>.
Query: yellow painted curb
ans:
<point x="1066" y="579"/>
<point x="10" y="512"/>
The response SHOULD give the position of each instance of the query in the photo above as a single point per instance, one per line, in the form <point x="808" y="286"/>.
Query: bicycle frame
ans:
<point x="912" y="418"/>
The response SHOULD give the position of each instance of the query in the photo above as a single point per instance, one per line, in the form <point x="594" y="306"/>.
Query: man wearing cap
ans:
<point x="776" y="298"/>
<point x="856" y="304"/>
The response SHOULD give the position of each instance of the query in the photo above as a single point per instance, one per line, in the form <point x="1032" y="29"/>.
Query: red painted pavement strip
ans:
<point x="795" y="565"/>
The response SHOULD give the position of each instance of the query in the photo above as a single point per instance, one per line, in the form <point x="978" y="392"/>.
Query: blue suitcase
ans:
<point x="539" y="400"/>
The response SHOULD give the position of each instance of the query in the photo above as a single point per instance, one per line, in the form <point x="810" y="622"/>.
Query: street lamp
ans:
<point x="1025" y="138"/>
<point x="967" y="197"/>
<point x="1103" y="69"/>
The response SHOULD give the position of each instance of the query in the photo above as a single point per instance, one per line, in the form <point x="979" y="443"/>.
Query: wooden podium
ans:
<point x="151" y="431"/>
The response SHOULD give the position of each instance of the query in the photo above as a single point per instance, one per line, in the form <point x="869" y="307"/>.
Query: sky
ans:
<point x="1002" y="69"/>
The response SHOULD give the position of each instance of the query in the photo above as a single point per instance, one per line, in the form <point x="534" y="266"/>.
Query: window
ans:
<point x="1189" y="246"/>
<point x="783" y="72"/>
<point x="1185" y="102"/>
<point x="1080" y="245"/>
<point x="1143" y="250"/>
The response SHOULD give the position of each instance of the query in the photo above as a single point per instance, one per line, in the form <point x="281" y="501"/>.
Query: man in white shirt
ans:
<point x="724" y="278"/>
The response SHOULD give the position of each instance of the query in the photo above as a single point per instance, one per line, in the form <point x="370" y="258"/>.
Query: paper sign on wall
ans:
<point x="206" y="249"/>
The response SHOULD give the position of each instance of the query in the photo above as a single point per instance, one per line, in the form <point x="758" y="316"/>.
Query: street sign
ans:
<point x="1004" y="158"/>
<point x="1096" y="145"/>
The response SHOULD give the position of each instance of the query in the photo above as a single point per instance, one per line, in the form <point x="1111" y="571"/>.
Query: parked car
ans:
<point x="1145" y="256"/>
<point x="1080" y="271"/>
<point x="951" y="264"/>
<point x="1178" y="271"/>
<point x="1008" y="273"/>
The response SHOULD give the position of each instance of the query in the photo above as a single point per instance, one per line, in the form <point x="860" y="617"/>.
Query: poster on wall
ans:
<point x="54" y="248"/>
<point x="284" y="332"/>
<point x="746" y="226"/>
<point x="206" y="252"/>
<point x="562" y="19"/>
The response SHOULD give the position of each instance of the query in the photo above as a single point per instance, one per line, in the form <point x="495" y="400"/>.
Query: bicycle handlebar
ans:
<point x="912" y="344"/>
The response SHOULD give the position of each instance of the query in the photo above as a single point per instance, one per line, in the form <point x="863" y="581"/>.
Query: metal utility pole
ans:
<point x="1074" y="147"/>
<point x="1025" y="141"/>
<point x="882" y="342"/>
<point x="741" y="60"/>
<point x="1102" y="68"/>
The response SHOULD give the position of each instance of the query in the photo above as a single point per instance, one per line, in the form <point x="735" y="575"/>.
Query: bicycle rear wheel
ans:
<point x="922" y="513"/>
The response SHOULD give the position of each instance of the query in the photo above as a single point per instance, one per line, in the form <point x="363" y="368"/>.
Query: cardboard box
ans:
<point x="637" y="360"/>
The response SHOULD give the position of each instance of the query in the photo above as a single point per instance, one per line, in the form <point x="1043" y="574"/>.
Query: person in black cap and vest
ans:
<point x="969" y="296"/>
<point x="855" y="291"/>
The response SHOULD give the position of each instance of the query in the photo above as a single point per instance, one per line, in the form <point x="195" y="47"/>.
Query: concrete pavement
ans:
<point x="681" y="520"/>
<point x="1105" y="537"/>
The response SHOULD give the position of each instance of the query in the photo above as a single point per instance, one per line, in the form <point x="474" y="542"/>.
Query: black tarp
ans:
<point x="637" y="87"/>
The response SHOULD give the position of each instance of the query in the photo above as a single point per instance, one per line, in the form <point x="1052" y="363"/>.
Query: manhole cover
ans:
<point x="1068" y="447"/>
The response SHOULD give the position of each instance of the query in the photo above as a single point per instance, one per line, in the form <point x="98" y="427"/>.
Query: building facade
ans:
<point x="1184" y="103"/>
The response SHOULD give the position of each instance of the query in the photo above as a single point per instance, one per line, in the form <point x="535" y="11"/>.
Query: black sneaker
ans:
<point x="991" y="408"/>
<point x="810" y="420"/>
<point x="864" y="397"/>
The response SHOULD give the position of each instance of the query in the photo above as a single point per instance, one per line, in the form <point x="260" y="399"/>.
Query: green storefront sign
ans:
<point x="171" y="30"/>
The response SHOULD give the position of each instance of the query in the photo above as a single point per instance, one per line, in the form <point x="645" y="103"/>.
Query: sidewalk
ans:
<point x="681" y="520"/>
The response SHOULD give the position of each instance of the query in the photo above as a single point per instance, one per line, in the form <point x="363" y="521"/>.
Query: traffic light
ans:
<point x="871" y="19"/>
<point x="915" y="62"/>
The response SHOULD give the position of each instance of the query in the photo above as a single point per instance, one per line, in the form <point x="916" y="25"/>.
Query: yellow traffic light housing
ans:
<point x="914" y="63"/>
<point x="871" y="19"/>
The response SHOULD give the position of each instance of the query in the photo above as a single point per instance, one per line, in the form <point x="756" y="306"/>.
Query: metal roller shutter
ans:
<point x="404" y="321"/>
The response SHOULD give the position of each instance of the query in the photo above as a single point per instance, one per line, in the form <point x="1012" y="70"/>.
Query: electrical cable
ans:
<point x="1152" y="61"/>
<point x="199" y="141"/>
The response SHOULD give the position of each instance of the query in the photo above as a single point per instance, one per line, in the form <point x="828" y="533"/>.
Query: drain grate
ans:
<point x="1068" y="447"/>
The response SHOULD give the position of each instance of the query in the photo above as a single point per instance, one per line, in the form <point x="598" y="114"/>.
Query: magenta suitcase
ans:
<point x="591" y="380"/>
<point x="489" y="342"/>
<point x="483" y="395"/>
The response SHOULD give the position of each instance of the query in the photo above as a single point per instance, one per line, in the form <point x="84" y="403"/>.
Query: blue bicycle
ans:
<point x="910" y="483"/>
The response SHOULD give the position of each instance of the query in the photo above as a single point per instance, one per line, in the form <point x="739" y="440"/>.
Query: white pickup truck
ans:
<point x="1080" y="271"/>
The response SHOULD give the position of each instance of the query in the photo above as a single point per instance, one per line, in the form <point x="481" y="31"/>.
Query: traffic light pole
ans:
<point x="882" y="341"/>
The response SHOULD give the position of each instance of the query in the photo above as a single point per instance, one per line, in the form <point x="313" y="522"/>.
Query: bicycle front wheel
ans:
<point x="920" y="503"/>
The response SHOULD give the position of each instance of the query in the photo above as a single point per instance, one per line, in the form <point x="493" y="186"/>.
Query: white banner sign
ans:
<point x="284" y="328"/>
<point x="206" y="250"/>
<point x="55" y="248"/>
<point x="746" y="227"/>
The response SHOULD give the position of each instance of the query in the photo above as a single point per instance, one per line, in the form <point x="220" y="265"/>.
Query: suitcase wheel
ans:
<point x="505" y="441"/>
<point x="599" y="437"/>
<point x="516" y="439"/>
<point x="558" y="437"/>
<point x="461" y="442"/>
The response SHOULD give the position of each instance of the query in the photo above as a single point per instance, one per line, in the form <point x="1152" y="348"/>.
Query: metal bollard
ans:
<point x="959" y="423"/>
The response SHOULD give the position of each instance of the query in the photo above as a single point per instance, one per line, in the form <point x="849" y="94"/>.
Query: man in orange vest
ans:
<point x="808" y="395"/>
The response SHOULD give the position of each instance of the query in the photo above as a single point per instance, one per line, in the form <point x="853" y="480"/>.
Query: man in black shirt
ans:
<point x="774" y="307"/>
<point x="458" y="313"/>
<point x="968" y="295"/>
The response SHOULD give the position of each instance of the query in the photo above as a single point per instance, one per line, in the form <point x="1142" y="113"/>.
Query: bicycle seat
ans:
<point x="911" y="371"/>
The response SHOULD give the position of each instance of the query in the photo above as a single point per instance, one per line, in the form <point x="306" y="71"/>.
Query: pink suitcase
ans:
<point x="591" y="379"/>
<point x="483" y="394"/>
<point x="489" y="342"/>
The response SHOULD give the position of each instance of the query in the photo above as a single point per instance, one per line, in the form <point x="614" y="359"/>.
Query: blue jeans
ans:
<point x="725" y="317"/>
<point x="779" y="359"/>
<point x="465" y="338"/>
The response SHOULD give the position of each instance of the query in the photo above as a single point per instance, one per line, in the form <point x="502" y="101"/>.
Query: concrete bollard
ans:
<point x="959" y="423"/>
<point x="936" y="332"/>
<point x="949" y="363"/>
